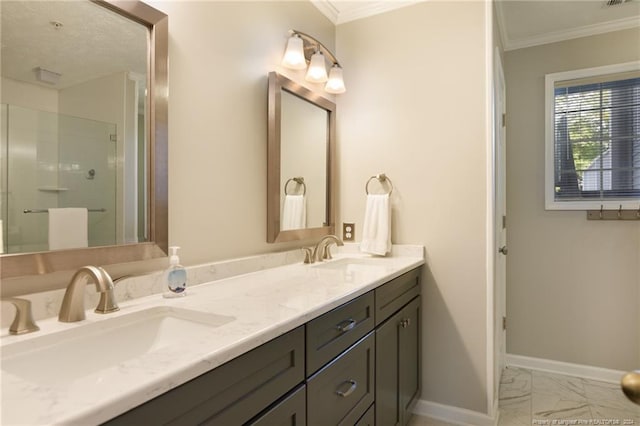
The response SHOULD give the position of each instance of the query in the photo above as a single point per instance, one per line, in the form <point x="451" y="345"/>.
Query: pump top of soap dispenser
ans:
<point x="174" y="259"/>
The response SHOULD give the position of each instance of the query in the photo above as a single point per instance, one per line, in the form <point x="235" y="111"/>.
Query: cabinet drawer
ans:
<point x="291" y="411"/>
<point x="341" y="392"/>
<point x="335" y="331"/>
<point x="230" y="394"/>
<point x="396" y="293"/>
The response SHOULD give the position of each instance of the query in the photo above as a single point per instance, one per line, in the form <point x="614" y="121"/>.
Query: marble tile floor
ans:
<point x="529" y="397"/>
<point x="417" y="420"/>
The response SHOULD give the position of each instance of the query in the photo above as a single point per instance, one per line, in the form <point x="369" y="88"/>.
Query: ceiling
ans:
<point x="92" y="42"/>
<point x="522" y="23"/>
<point x="530" y="23"/>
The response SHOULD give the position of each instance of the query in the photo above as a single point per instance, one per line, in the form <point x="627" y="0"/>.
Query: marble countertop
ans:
<point x="259" y="306"/>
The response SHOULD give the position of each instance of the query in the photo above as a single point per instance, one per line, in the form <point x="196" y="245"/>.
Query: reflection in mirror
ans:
<point x="300" y="166"/>
<point x="84" y="134"/>
<point x="303" y="151"/>
<point x="73" y="126"/>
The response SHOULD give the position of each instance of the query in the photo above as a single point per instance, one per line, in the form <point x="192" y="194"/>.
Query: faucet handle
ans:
<point x="107" y="302"/>
<point x="326" y="252"/>
<point x="308" y="255"/>
<point x="23" y="321"/>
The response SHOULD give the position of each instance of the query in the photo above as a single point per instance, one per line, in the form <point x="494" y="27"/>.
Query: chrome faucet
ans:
<point x="72" y="308"/>
<point x="321" y="250"/>
<point x="23" y="321"/>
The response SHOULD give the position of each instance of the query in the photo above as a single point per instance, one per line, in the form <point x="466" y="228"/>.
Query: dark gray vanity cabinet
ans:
<point x="290" y="411"/>
<point x="340" y="363"/>
<point x="342" y="391"/>
<point x="332" y="333"/>
<point x="358" y="364"/>
<point x="398" y="350"/>
<point x="368" y="418"/>
<point x="234" y="393"/>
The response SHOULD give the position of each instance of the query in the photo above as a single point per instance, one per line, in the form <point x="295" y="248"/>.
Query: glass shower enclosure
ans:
<point x="50" y="160"/>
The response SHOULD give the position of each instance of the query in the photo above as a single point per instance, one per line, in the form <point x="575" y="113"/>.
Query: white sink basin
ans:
<point x="63" y="357"/>
<point x="351" y="263"/>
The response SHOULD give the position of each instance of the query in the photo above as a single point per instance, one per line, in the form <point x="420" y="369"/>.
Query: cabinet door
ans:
<point x="398" y="366"/>
<point x="409" y="358"/>
<point x="387" y="406"/>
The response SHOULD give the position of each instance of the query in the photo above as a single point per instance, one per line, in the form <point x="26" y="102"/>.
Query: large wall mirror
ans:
<point x="301" y="147"/>
<point x="84" y="127"/>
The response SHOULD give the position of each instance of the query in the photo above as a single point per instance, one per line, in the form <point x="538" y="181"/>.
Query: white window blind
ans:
<point x="594" y="143"/>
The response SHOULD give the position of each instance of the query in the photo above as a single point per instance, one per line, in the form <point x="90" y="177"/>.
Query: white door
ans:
<point x="500" y="221"/>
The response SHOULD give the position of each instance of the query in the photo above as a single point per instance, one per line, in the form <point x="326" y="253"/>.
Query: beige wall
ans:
<point x="413" y="76"/>
<point x="572" y="285"/>
<point x="414" y="109"/>
<point x="220" y="55"/>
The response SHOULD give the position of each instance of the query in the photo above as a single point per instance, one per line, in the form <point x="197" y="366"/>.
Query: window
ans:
<point x="593" y="138"/>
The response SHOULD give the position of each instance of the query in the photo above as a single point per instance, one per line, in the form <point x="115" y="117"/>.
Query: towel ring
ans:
<point x="299" y="181"/>
<point x="382" y="178"/>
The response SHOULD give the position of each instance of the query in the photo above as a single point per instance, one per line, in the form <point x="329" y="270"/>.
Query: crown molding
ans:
<point x="366" y="9"/>
<point x="328" y="9"/>
<point x="555" y="36"/>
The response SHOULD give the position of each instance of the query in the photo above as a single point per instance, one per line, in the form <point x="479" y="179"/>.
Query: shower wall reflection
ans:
<point x="53" y="160"/>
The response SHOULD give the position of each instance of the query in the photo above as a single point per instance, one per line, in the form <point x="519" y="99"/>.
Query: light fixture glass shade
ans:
<point x="317" y="72"/>
<point x="335" y="84"/>
<point x="294" y="55"/>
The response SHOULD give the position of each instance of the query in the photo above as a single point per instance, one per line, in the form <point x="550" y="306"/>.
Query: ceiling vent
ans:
<point x="47" y="76"/>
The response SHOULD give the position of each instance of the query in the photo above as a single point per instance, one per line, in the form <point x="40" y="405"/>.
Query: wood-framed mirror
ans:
<point x="300" y="162"/>
<point x="145" y="234"/>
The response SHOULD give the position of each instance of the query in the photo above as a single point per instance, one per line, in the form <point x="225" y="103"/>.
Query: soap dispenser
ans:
<point x="175" y="277"/>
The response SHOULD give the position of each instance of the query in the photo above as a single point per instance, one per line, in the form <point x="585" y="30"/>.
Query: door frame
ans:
<point x="500" y="230"/>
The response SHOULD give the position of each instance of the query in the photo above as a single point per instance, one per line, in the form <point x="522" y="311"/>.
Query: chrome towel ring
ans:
<point x="382" y="178"/>
<point x="300" y="181"/>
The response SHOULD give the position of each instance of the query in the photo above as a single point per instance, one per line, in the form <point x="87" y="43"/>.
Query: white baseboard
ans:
<point x="450" y="414"/>
<point x="567" y="368"/>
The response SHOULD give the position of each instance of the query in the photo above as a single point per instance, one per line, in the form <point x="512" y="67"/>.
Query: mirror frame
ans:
<point x="16" y="265"/>
<point x="278" y="83"/>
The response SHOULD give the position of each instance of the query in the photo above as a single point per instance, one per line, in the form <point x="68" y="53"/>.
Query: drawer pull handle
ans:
<point x="352" y="387"/>
<point x="346" y="325"/>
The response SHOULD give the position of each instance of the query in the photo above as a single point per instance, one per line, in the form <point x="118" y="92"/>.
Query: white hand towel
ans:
<point x="376" y="231"/>
<point x="68" y="228"/>
<point x="294" y="212"/>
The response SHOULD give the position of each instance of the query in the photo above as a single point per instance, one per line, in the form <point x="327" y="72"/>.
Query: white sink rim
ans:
<point x="65" y="356"/>
<point x="345" y="262"/>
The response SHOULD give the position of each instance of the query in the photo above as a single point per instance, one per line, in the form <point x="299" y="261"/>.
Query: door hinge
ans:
<point x="504" y="119"/>
<point x="504" y="323"/>
<point x="504" y="221"/>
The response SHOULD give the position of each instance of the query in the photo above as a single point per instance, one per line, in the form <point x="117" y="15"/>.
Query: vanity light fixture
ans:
<point x="294" y="55"/>
<point x="317" y="71"/>
<point x="301" y="48"/>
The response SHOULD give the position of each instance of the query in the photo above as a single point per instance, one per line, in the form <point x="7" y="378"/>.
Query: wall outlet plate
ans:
<point x="348" y="231"/>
